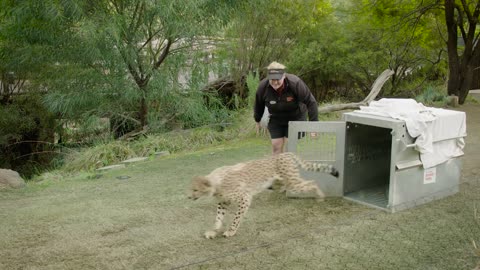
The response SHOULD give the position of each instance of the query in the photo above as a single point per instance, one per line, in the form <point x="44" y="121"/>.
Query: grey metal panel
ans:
<point x="405" y="154"/>
<point x="409" y="186"/>
<point x="317" y="126"/>
<point x="398" y="140"/>
<point x="373" y="120"/>
<point x="330" y="185"/>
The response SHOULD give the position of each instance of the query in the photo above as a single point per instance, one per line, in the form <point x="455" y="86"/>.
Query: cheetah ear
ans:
<point x="205" y="181"/>
<point x="202" y="180"/>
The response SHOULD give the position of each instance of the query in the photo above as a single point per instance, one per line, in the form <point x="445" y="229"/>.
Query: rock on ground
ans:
<point x="10" y="179"/>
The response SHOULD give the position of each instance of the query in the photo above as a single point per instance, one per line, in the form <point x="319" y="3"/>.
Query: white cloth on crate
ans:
<point x="416" y="117"/>
<point x="438" y="133"/>
<point x="449" y="130"/>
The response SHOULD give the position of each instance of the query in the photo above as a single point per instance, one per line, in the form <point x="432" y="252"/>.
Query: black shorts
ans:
<point x="281" y="130"/>
<point x="277" y="130"/>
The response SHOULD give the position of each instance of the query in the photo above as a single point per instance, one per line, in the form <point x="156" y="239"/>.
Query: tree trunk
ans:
<point x="143" y="112"/>
<point x="462" y="68"/>
<point x="142" y="83"/>
<point x="476" y="74"/>
<point x="453" y="59"/>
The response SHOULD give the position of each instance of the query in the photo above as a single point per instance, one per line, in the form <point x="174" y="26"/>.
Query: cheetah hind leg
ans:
<point x="305" y="189"/>
<point x="279" y="185"/>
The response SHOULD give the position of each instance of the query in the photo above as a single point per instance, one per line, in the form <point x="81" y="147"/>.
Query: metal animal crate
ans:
<point x="378" y="165"/>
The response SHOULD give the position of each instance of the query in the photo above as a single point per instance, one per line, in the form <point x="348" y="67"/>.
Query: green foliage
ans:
<point x="98" y="58"/>
<point x="346" y="49"/>
<point x="252" y="84"/>
<point x="26" y="136"/>
<point x="432" y="95"/>
<point x="80" y="93"/>
<point x="472" y="100"/>
<point x="14" y="122"/>
<point x="98" y="156"/>
<point x="31" y="33"/>
<point x="241" y="127"/>
<point x="91" y="130"/>
<point x="411" y="41"/>
<point x="176" y="141"/>
<point x="144" y="34"/>
<point x="176" y="106"/>
<point x="24" y="115"/>
<point x="179" y="109"/>
<point x="264" y="31"/>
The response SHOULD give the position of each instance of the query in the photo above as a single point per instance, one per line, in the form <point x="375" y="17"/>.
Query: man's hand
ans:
<point x="313" y="134"/>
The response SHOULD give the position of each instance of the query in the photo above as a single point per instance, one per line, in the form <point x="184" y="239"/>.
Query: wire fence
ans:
<point x="442" y="234"/>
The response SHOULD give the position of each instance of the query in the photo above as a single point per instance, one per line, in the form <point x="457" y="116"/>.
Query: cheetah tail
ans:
<point x="316" y="167"/>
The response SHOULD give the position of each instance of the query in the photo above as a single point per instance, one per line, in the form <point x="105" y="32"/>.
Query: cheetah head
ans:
<point x="200" y="187"/>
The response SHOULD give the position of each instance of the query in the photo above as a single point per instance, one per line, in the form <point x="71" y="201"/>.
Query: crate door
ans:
<point x="328" y="146"/>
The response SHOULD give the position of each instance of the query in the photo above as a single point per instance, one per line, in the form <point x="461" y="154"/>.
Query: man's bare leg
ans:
<point x="278" y="145"/>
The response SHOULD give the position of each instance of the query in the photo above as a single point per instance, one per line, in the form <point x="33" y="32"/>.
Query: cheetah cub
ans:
<point x="238" y="183"/>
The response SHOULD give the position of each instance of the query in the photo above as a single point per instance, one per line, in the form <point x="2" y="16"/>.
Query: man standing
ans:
<point x="287" y="98"/>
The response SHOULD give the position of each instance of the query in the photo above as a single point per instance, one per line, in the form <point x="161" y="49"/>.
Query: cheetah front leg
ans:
<point x="243" y="204"/>
<point x="221" y="209"/>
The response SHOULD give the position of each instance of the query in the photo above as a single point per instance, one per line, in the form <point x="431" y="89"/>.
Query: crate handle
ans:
<point x="403" y="146"/>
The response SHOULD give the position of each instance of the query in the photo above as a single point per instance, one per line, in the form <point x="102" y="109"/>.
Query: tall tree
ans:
<point x="143" y="33"/>
<point x="462" y="18"/>
<point x="29" y="33"/>
<point x="266" y="31"/>
<point x="408" y="45"/>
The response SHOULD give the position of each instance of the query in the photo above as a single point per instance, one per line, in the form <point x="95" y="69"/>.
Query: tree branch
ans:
<point x="164" y="54"/>
<point x="131" y="27"/>
<point x="459" y="22"/>
<point x="467" y="11"/>
<point x="376" y="87"/>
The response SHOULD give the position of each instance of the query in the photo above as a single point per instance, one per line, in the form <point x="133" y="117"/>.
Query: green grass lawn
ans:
<point x="140" y="218"/>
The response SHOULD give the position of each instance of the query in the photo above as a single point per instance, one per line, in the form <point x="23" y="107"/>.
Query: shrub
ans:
<point x="432" y="95"/>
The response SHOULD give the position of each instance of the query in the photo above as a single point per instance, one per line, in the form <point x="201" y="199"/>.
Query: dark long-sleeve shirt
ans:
<point x="292" y="104"/>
